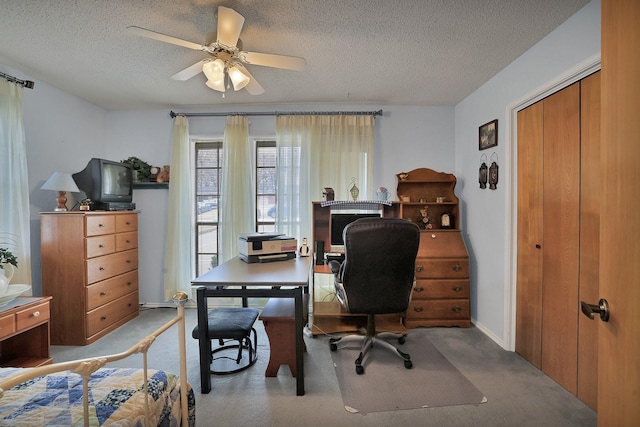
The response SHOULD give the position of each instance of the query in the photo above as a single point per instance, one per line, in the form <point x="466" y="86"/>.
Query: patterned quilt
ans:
<point x="116" y="397"/>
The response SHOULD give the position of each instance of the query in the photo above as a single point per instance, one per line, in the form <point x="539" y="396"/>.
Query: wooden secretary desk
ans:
<point x="441" y="293"/>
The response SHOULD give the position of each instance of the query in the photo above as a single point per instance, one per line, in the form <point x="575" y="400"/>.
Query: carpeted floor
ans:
<point x="387" y="385"/>
<point x="518" y="394"/>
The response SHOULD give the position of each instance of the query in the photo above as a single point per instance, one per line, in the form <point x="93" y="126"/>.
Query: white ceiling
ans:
<point x="379" y="52"/>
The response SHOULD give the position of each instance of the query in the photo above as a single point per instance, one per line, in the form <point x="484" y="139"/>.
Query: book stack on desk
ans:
<point x="266" y="247"/>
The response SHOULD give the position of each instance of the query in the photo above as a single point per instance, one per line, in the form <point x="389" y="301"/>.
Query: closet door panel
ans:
<point x="590" y="203"/>
<point x="561" y="219"/>
<point x="529" y="278"/>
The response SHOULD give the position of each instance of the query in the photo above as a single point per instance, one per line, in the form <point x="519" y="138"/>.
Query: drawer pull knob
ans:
<point x="417" y="309"/>
<point x="128" y="222"/>
<point x="101" y="245"/>
<point x="101" y="268"/>
<point x="36" y="314"/>
<point x="457" y="267"/>
<point x="128" y="261"/>
<point x="418" y="289"/>
<point x="456" y="309"/>
<point x="103" y="318"/>
<point x="433" y="236"/>
<point x="128" y="241"/>
<point x="457" y="289"/>
<point x="100" y="225"/>
<point x="103" y="294"/>
<point x="129" y="283"/>
<point x="419" y="268"/>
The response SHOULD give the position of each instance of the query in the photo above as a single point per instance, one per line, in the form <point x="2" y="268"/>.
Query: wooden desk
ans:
<point x="24" y="333"/>
<point x="281" y="279"/>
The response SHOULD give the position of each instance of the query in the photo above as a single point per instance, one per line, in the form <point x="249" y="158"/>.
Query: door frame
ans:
<point x="574" y="74"/>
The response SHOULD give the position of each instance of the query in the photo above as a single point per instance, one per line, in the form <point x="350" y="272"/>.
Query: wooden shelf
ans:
<point x="151" y="185"/>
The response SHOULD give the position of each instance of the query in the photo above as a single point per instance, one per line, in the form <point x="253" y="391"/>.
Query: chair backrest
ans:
<point x="378" y="270"/>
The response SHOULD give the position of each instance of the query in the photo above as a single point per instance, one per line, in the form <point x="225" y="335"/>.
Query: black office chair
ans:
<point x="376" y="277"/>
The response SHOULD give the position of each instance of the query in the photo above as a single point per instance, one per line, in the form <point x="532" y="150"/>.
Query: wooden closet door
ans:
<point x="529" y="279"/>
<point x="590" y="204"/>
<point x="561" y="243"/>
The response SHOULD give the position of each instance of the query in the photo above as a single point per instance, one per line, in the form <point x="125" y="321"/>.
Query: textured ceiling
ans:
<point x="379" y="52"/>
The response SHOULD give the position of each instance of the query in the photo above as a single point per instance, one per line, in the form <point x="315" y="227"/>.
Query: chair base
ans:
<point x="242" y="344"/>
<point x="368" y="341"/>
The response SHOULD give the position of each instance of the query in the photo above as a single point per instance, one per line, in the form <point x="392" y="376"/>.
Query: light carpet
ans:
<point x="387" y="385"/>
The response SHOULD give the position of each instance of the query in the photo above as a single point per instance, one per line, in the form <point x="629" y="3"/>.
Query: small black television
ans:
<point x="107" y="183"/>
<point x="338" y="221"/>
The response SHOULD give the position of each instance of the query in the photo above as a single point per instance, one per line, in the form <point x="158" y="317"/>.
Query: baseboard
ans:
<point x="489" y="334"/>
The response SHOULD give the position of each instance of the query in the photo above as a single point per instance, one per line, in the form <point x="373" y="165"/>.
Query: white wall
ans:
<point x="484" y="212"/>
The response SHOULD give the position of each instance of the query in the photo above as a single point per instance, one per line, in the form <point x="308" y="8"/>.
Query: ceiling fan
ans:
<point x="227" y="59"/>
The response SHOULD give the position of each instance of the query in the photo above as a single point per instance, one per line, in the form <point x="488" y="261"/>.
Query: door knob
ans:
<point x="602" y="309"/>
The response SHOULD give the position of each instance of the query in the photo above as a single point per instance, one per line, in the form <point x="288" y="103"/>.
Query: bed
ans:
<point x="86" y="392"/>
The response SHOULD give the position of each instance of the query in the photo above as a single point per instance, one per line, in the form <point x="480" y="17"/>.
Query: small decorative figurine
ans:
<point x="304" y="249"/>
<point x="328" y="194"/>
<point x="354" y="189"/>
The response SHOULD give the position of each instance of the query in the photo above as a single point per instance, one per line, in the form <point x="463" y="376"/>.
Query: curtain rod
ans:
<point x="24" y="83"/>
<point x="281" y="113"/>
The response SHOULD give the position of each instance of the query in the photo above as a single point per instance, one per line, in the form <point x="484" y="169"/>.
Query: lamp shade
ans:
<point x="214" y="70"/>
<point x="60" y="181"/>
<point x="238" y="78"/>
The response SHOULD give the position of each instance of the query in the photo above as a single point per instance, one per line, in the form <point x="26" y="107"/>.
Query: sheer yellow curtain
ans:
<point x="237" y="203"/>
<point x="317" y="151"/>
<point x="178" y="259"/>
<point x="14" y="185"/>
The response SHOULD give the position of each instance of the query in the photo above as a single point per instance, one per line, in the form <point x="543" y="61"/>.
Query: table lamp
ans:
<point x="61" y="182"/>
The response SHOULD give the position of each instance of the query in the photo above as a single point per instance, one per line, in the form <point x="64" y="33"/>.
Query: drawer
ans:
<point x="99" y="224"/>
<point x="439" y="244"/>
<point x="111" y="313"/>
<point x="111" y="289"/>
<point x="126" y="222"/>
<point x="107" y="266"/>
<point x="125" y="241"/>
<point x="442" y="268"/>
<point x="7" y="325"/>
<point x="438" y="309"/>
<point x="440" y="289"/>
<point x="32" y="316"/>
<point x="100" y="245"/>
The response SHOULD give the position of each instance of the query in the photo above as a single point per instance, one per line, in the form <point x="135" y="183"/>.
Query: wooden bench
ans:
<point x="279" y="321"/>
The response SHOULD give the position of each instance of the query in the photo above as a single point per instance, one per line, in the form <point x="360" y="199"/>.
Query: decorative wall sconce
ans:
<point x="493" y="173"/>
<point x="482" y="178"/>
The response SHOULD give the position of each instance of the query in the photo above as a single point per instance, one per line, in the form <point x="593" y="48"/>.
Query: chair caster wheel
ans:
<point x="402" y="340"/>
<point x="359" y="370"/>
<point x="333" y="347"/>
<point x="408" y="364"/>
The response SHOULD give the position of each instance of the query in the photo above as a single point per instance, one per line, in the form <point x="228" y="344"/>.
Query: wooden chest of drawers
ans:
<point x="90" y="268"/>
<point x="441" y="293"/>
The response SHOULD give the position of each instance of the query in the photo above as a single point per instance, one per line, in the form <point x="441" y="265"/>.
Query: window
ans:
<point x="265" y="185"/>
<point x="208" y="157"/>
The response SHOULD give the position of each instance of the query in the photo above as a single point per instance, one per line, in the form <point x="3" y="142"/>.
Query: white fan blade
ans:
<point x="277" y="61"/>
<point x="229" y="26"/>
<point x="189" y="72"/>
<point x="164" y="38"/>
<point x="253" y="87"/>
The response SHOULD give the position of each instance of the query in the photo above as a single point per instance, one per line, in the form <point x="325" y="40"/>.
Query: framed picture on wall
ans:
<point x="488" y="135"/>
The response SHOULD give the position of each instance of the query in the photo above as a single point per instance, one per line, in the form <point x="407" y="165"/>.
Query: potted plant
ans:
<point x="142" y="169"/>
<point x="6" y="257"/>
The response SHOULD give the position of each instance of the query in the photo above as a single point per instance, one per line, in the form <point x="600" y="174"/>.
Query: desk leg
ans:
<point x="299" y="343"/>
<point x="203" y="341"/>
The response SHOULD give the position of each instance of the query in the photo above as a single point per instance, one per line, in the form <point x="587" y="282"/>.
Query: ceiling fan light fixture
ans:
<point x="238" y="78"/>
<point x="216" y="84"/>
<point x="214" y="70"/>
